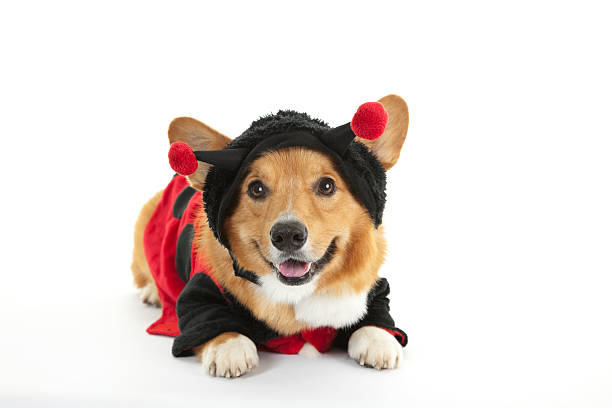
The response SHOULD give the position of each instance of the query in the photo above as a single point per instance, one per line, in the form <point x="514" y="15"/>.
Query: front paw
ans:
<point x="229" y="355"/>
<point x="374" y="347"/>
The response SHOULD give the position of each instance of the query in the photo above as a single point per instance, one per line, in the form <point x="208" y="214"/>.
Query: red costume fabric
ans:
<point x="160" y="242"/>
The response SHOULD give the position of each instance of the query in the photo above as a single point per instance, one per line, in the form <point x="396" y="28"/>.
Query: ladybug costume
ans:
<point x="195" y="307"/>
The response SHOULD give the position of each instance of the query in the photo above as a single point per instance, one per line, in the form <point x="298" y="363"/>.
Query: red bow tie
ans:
<point x="321" y="338"/>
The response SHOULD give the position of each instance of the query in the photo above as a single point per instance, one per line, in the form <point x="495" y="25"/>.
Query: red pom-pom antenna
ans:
<point x="370" y="120"/>
<point x="182" y="159"/>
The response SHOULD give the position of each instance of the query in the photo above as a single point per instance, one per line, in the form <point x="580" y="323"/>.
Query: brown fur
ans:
<point x="291" y="175"/>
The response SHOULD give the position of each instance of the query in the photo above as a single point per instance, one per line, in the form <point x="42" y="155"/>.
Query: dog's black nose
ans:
<point x="288" y="236"/>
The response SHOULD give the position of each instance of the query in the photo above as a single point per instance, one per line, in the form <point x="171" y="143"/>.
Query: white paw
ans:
<point x="148" y="294"/>
<point x="375" y="347"/>
<point x="232" y="358"/>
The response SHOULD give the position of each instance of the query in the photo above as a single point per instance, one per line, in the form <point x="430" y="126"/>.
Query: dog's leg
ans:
<point x="228" y="355"/>
<point x="374" y="347"/>
<point x="140" y="269"/>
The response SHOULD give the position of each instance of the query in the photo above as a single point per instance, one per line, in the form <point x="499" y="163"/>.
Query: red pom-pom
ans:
<point x="370" y="120"/>
<point x="182" y="159"/>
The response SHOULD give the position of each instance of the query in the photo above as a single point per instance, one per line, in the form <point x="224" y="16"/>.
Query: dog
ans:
<point x="288" y="259"/>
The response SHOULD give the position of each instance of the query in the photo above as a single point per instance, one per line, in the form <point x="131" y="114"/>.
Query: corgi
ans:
<point x="272" y="242"/>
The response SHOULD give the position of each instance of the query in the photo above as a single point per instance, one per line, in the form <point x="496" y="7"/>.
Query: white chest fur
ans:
<point x="335" y="311"/>
<point x="315" y="309"/>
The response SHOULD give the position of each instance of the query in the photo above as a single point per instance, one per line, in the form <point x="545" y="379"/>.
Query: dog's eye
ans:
<point x="327" y="186"/>
<point x="257" y="190"/>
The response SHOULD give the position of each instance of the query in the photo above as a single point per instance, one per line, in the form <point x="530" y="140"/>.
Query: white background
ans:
<point x="499" y="213"/>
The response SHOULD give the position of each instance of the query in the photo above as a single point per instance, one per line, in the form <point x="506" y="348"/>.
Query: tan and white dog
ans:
<point x="278" y="191"/>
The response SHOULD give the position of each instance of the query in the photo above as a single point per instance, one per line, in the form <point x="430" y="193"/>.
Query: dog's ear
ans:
<point x="388" y="146"/>
<point x="199" y="137"/>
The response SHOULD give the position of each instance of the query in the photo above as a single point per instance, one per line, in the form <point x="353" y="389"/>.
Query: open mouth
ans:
<point x="293" y="268"/>
<point x="294" y="272"/>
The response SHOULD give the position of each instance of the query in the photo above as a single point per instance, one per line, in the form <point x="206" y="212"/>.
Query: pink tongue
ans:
<point x="294" y="269"/>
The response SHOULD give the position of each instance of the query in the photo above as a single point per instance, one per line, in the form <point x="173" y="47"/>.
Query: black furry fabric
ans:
<point x="358" y="166"/>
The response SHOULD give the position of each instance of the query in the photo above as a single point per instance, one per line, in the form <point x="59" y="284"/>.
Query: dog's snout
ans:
<point x="288" y="236"/>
